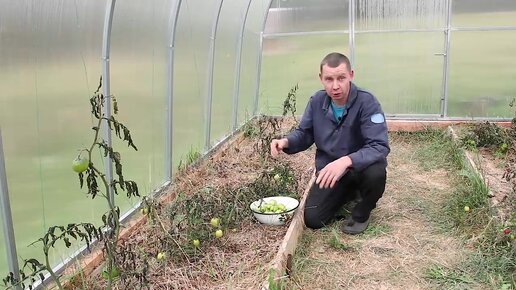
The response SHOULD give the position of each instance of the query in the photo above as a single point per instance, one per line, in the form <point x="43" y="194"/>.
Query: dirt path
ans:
<point x="404" y="244"/>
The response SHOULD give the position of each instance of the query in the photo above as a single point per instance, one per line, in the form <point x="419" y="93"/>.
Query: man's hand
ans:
<point x="332" y="172"/>
<point x="277" y="146"/>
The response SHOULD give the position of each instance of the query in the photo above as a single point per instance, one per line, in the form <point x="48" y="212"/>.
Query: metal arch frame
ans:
<point x="7" y="219"/>
<point x="209" y="94"/>
<point x="352" y="15"/>
<point x="170" y="95"/>
<point x="260" y="54"/>
<point x="446" y="65"/>
<point x="106" y="86"/>
<point x="238" y="65"/>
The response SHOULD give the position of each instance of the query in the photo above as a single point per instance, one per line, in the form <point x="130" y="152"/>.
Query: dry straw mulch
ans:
<point x="241" y="258"/>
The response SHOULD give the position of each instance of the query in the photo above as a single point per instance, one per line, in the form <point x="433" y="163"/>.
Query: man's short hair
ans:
<point x="335" y="59"/>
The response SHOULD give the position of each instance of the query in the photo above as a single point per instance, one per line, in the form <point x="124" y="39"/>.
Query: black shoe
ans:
<point x="353" y="227"/>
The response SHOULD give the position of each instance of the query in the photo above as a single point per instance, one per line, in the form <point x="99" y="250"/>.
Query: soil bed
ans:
<point x="216" y="187"/>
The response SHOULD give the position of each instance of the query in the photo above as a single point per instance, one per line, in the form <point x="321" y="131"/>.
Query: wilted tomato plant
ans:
<point x="97" y="184"/>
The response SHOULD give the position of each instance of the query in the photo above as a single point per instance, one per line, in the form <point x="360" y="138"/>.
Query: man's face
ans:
<point x="336" y="82"/>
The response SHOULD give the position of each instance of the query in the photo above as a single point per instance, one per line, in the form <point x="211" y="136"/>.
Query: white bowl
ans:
<point x="290" y="203"/>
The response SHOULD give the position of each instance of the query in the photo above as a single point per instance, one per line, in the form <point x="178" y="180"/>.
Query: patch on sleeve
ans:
<point x="377" y="118"/>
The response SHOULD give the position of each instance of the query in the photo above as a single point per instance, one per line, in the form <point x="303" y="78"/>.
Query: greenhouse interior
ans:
<point x="161" y="87"/>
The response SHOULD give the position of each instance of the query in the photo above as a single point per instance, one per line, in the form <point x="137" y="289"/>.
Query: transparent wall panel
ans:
<point x="224" y="71"/>
<point x="50" y="59"/>
<point x="483" y="13"/>
<point x="250" y="55"/>
<point x="190" y="76"/>
<point x="139" y="82"/>
<point x="4" y="268"/>
<point x="400" y="14"/>
<point x="288" y="61"/>
<point x="482" y="74"/>
<point x="307" y="15"/>
<point x="401" y="70"/>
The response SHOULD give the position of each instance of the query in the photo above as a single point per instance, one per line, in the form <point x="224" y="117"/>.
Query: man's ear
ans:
<point x="320" y="77"/>
<point x="352" y="74"/>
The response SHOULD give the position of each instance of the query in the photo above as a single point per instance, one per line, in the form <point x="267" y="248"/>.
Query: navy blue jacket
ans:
<point x="361" y="134"/>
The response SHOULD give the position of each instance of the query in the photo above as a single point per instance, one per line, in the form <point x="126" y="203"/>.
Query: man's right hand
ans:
<point x="277" y="146"/>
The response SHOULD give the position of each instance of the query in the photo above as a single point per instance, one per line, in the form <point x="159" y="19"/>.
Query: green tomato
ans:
<point x="161" y="256"/>
<point x="80" y="164"/>
<point x="215" y="222"/>
<point x="219" y="234"/>
<point x="196" y="243"/>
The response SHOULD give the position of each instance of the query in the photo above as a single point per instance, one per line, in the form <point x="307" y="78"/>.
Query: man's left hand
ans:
<point x="331" y="173"/>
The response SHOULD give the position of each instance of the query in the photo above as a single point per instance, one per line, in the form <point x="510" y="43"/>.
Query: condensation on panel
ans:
<point x="481" y="13"/>
<point x="290" y="61"/>
<point x="481" y="82"/>
<point x="139" y="58"/>
<point x="250" y="53"/>
<point x="307" y="16"/>
<point x="401" y="70"/>
<point x="400" y="14"/>
<point x="190" y="76"/>
<point x="50" y="58"/>
<point x="228" y="32"/>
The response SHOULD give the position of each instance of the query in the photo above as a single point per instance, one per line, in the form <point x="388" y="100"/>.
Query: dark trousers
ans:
<point x="322" y="204"/>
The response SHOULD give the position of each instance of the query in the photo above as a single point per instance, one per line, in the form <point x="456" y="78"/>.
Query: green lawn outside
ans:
<point x="401" y="70"/>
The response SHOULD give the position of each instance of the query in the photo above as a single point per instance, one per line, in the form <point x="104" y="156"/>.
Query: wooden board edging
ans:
<point x="468" y="159"/>
<point x="415" y="125"/>
<point x="282" y="263"/>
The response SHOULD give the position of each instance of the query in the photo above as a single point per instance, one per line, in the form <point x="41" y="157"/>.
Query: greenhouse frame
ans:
<point x="187" y="75"/>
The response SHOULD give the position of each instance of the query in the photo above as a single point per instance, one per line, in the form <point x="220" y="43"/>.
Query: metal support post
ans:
<point x="211" y="64"/>
<point x="259" y="62"/>
<point x="106" y="81"/>
<point x="170" y="93"/>
<point x="238" y="65"/>
<point x="7" y="219"/>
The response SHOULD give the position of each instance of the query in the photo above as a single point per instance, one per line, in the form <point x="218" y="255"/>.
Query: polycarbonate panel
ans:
<point x="288" y="61"/>
<point x="400" y="14"/>
<point x="482" y="74"/>
<point x="139" y="61"/>
<point x="228" y="32"/>
<point x="4" y="266"/>
<point x="307" y="16"/>
<point x="401" y="70"/>
<point x="250" y="53"/>
<point x="190" y="77"/>
<point x="50" y="59"/>
<point x="483" y="13"/>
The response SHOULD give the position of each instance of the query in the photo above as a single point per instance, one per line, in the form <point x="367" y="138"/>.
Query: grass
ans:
<point x="335" y="242"/>
<point x="493" y="258"/>
<point x="420" y="234"/>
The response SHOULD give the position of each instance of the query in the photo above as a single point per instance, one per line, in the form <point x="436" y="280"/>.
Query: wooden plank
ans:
<point x="468" y="159"/>
<point x="281" y="265"/>
<point x="415" y="125"/>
